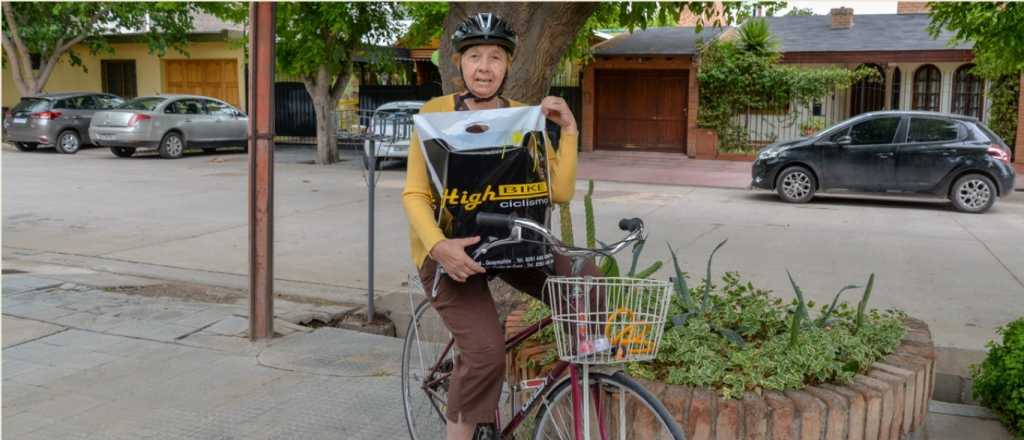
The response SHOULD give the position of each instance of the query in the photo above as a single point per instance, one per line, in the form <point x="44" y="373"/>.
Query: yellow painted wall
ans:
<point x="148" y="69"/>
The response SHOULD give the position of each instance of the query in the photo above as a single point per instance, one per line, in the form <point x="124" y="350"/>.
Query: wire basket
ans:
<point x="600" y="320"/>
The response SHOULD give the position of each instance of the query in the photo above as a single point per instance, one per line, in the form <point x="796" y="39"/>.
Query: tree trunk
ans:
<point x="546" y="30"/>
<point x="325" y="92"/>
<point x="326" y="133"/>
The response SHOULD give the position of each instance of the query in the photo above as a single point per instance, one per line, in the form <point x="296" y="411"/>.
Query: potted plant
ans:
<point x="812" y="125"/>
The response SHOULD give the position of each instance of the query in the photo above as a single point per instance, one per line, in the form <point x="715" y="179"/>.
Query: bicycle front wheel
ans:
<point x="427" y="361"/>
<point x="620" y="409"/>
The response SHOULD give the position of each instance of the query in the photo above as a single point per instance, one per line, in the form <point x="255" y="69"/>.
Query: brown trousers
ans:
<point x="469" y="312"/>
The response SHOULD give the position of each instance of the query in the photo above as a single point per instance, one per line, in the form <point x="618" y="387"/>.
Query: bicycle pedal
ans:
<point x="486" y="431"/>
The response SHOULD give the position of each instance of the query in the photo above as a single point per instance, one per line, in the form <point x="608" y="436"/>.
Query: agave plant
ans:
<point x="756" y="37"/>
<point x="694" y="308"/>
<point x="800" y="314"/>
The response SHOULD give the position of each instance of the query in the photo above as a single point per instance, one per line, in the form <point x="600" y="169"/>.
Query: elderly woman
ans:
<point x="485" y="46"/>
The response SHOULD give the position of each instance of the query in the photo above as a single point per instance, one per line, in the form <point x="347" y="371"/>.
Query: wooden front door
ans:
<point x="213" y="78"/>
<point x="641" y="109"/>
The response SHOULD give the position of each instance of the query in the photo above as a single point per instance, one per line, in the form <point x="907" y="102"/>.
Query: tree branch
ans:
<point x="16" y="60"/>
<point x="26" y="64"/>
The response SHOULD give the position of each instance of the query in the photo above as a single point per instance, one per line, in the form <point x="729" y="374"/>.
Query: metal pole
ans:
<point x="261" y="170"/>
<point x="371" y="184"/>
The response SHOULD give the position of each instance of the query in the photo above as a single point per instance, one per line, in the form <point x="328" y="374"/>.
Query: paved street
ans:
<point x="186" y="220"/>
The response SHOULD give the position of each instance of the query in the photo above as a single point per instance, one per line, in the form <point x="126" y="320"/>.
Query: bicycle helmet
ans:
<point x="484" y="28"/>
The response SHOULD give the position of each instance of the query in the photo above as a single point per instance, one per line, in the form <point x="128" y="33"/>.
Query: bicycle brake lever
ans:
<point x="514" y="236"/>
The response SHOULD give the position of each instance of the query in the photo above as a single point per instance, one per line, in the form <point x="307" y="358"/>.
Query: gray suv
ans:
<point x="60" y="120"/>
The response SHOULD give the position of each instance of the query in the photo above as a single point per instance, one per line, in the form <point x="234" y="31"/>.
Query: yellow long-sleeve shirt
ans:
<point x="424" y="232"/>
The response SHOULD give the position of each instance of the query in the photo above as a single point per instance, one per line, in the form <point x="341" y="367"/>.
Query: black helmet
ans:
<point x="484" y="28"/>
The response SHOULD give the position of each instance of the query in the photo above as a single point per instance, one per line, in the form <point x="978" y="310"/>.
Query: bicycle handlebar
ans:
<point x="634" y="226"/>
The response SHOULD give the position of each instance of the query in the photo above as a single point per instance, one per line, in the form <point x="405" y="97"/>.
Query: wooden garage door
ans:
<point x="641" y="109"/>
<point x="213" y="78"/>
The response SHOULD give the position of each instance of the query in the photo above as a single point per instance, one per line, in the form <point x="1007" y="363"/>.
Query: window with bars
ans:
<point x="927" y="88"/>
<point x="968" y="92"/>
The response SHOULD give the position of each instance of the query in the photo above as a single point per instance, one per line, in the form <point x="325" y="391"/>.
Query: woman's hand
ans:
<point x="451" y="254"/>
<point x="557" y="111"/>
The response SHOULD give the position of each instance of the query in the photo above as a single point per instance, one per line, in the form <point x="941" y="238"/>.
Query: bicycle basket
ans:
<point x="600" y="320"/>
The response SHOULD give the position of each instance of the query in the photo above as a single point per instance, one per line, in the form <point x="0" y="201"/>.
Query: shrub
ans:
<point x="999" y="379"/>
<point x="735" y="338"/>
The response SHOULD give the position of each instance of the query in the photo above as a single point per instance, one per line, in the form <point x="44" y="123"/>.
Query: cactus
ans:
<point x="565" y="220"/>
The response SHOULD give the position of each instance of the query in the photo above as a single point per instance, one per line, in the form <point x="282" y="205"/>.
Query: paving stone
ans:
<point x="149" y="330"/>
<point x="24" y="283"/>
<point x="18" y="331"/>
<point x="38" y="311"/>
<point x="89" y="321"/>
<point x="230" y="326"/>
<point x="322" y="352"/>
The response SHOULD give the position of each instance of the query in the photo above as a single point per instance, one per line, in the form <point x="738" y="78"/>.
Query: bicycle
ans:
<point x="629" y="316"/>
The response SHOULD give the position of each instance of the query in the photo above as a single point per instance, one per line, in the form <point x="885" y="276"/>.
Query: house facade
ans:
<point x="641" y="91"/>
<point x="214" y="66"/>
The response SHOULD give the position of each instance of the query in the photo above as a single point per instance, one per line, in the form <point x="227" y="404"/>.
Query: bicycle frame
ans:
<point x="550" y="381"/>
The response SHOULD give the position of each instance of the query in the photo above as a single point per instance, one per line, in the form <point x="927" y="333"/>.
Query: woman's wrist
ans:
<point x="569" y="130"/>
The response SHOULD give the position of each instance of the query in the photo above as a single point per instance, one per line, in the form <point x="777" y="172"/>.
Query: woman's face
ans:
<point x="483" y="68"/>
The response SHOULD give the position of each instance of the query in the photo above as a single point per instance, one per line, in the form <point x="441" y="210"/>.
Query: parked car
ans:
<point x="392" y="120"/>
<point x="911" y="152"/>
<point x="60" y="120"/>
<point x="170" y="124"/>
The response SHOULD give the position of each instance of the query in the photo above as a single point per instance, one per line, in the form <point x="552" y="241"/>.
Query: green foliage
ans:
<point x="734" y="80"/>
<point x="1003" y="94"/>
<point x="995" y="28"/>
<point x="427" y="20"/>
<point x="312" y="35"/>
<point x="756" y="38"/>
<point x="999" y="379"/>
<point x="747" y="340"/>
<point x="53" y="29"/>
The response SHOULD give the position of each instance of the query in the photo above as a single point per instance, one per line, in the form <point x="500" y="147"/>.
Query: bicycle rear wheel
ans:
<point x="424" y="388"/>
<point x="620" y="409"/>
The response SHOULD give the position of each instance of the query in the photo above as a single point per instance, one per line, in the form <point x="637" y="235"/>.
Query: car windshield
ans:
<point x="31" y="105"/>
<point x="148" y="104"/>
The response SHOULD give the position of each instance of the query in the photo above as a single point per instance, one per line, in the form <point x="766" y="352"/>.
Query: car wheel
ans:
<point x="796" y="185"/>
<point x="68" y="142"/>
<point x="973" y="193"/>
<point x="172" y="146"/>
<point x="122" y="151"/>
<point x="209" y="150"/>
<point x="25" y="146"/>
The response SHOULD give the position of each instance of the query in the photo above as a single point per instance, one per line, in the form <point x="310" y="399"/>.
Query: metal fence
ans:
<point x="785" y="121"/>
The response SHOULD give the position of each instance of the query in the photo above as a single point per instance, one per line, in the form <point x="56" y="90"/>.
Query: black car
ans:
<point x="911" y="152"/>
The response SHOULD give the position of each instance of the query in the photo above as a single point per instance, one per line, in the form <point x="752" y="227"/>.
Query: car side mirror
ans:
<point x="844" y="141"/>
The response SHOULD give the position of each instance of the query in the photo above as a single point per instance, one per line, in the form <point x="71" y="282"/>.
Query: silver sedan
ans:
<point x="169" y="123"/>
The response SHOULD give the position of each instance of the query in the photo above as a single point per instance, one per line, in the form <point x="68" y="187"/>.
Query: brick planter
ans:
<point x="890" y="401"/>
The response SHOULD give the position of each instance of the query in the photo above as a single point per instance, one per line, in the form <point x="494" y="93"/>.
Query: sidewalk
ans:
<point x="84" y="363"/>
